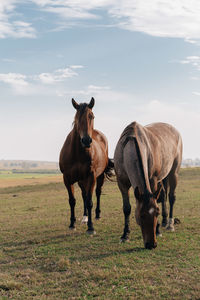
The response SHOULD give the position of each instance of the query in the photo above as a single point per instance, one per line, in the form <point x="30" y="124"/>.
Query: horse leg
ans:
<point x="72" y="202"/>
<point x="158" y="191"/>
<point x="164" y="202"/>
<point x="126" y="209"/>
<point x="89" y="186"/>
<point x="158" y="233"/>
<point x="84" y="196"/>
<point x="173" y="177"/>
<point x="100" y="181"/>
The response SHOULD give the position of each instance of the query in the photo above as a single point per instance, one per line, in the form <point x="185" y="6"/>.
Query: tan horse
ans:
<point x="144" y="157"/>
<point x="84" y="159"/>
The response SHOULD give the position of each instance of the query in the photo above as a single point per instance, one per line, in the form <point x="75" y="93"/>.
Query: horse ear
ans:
<point x="91" y="104"/>
<point x="75" y="104"/>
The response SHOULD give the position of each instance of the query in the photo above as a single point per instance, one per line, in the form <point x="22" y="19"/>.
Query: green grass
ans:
<point x="41" y="259"/>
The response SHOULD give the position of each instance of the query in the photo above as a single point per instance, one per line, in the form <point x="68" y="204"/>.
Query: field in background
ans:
<point x="26" y="165"/>
<point x="41" y="259"/>
<point x="8" y="178"/>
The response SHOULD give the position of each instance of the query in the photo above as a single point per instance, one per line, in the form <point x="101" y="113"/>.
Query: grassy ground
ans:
<point x="41" y="259"/>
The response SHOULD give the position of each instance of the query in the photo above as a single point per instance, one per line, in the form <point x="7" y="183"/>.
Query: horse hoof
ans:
<point x="84" y="220"/>
<point x="124" y="240"/>
<point x="170" y="225"/>
<point x="159" y="234"/>
<point x="91" y="232"/>
<point x="170" y="228"/>
<point x="72" y="228"/>
<point x="98" y="218"/>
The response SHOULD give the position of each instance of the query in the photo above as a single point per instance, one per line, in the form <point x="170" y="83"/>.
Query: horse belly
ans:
<point x="165" y="169"/>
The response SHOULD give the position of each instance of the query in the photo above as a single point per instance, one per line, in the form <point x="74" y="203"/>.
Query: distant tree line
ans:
<point x="191" y="162"/>
<point x="23" y="165"/>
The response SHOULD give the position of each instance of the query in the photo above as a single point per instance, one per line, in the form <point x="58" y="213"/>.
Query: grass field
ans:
<point x="41" y="259"/>
<point x="8" y="178"/>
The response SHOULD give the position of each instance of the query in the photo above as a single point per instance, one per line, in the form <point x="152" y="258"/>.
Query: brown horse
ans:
<point x="146" y="158"/>
<point x="84" y="159"/>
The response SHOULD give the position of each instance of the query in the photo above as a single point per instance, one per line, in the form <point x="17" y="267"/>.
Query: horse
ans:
<point x="84" y="159"/>
<point x="147" y="158"/>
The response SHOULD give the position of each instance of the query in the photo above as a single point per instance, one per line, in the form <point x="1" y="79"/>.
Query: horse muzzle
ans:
<point x="86" y="141"/>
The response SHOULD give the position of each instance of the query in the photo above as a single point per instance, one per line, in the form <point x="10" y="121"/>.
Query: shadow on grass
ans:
<point x="61" y="245"/>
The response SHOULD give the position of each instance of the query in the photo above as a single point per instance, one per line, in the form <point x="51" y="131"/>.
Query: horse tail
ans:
<point x="109" y="170"/>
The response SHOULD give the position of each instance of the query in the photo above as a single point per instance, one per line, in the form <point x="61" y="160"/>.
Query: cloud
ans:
<point x="161" y="18"/>
<point x="193" y="60"/>
<point x="58" y="75"/>
<point x="23" y="84"/>
<point x="76" y="67"/>
<point x="101" y="93"/>
<point x="17" y="81"/>
<point x="196" y="93"/>
<point x="8" y="60"/>
<point x="9" y="26"/>
<point x="14" y="79"/>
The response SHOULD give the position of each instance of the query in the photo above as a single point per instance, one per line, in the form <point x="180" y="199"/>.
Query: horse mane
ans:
<point x="131" y="133"/>
<point x="82" y="107"/>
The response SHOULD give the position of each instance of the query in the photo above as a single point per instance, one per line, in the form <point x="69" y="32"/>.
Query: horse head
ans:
<point x="84" y="121"/>
<point x="146" y="213"/>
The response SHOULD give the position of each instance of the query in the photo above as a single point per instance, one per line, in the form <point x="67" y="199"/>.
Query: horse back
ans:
<point x="145" y="153"/>
<point x="164" y="147"/>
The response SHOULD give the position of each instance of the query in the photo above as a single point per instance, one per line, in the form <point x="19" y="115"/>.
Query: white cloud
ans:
<point x="76" y="67"/>
<point x="193" y="60"/>
<point x="17" y="81"/>
<point x="23" y="84"/>
<point x="58" y="75"/>
<point x="9" y="27"/>
<point x="14" y="79"/>
<point x="196" y="93"/>
<point x="9" y="60"/>
<point x="101" y="93"/>
<point x="162" y="18"/>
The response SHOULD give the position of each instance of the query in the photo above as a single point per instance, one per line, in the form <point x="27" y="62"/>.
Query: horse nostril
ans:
<point x="83" y="140"/>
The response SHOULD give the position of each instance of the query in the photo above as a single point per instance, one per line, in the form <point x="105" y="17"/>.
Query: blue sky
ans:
<point x="140" y="60"/>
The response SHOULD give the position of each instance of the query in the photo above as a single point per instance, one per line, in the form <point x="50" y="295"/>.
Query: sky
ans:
<point x="140" y="60"/>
